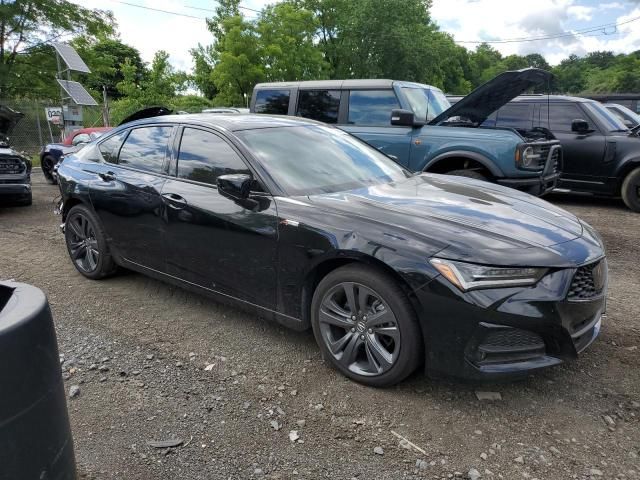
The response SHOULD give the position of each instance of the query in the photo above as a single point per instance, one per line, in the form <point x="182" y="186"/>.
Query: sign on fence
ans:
<point x="54" y="115"/>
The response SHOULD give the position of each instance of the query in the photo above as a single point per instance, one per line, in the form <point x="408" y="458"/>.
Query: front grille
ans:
<point x="511" y="338"/>
<point x="588" y="281"/>
<point x="11" y="165"/>
<point x="549" y="156"/>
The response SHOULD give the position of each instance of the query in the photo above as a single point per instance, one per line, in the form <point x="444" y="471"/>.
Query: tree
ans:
<point x="25" y="25"/>
<point x="104" y="58"/>
<point x="159" y="86"/>
<point x="375" y="38"/>
<point x="203" y="59"/>
<point x="288" y="52"/>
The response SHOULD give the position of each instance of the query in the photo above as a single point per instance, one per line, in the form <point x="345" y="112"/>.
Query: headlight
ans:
<point x="469" y="276"/>
<point x="528" y="157"/>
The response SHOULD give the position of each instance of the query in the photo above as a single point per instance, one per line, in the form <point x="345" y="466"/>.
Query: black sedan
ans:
<point x="305" y="224"/>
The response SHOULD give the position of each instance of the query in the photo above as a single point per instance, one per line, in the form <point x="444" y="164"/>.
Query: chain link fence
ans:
<point x="35" y="130"/>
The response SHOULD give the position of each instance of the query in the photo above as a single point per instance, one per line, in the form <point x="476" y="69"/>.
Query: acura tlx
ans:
<point x="306" y="225"/>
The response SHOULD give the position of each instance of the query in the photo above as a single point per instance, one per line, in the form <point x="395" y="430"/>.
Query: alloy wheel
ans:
<point x="359" y="329"/>
<point x="83" y="245"/>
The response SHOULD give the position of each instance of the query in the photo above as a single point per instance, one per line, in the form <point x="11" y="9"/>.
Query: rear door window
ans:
<point x="146" y="148"/>
<point x="321" y="105"/>
<point x="371" y="107"/>
<point x="204" y="156"/>
<point x="275" y="102"/>
<point x="111" y="146"/>
<point x="517" y="115"/>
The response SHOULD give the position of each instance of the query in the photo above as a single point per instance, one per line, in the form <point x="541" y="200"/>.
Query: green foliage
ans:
<point x="286" y="34"/>
<point x="104" y="57"/>
<point x="159" y="86"/>
<point x="26" y="25"/>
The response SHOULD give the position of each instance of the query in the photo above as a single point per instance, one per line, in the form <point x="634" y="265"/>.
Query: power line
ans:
<point x="178" y="14"/>
<point x="600" y="29"/>
<point x="159" y="10"/>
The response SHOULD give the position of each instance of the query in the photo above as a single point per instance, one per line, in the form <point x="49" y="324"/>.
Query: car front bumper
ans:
<point x="15" y="185"/>
<point x="493" y="334"/>
<point x="537" y="186"/>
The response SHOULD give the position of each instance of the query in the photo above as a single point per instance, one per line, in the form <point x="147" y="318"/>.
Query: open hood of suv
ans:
<point x="146" y="113"/>
<point x="497" y="92"/>
<point x="8" y="119"/>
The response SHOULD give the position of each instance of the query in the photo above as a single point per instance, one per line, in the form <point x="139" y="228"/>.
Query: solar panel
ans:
<point x="71" y="57"/>
<point x="77" y="93"/>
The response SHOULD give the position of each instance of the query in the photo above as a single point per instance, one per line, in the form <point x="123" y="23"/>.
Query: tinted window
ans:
<point x="321" y="105"/>
<point x="204" y="156"/>
<point x="517" y="115"/>
<point x="371" y="107"/>
<point x="111" y="146"/>
<point x="145" y="148"/>
<point x="272" y="101"/>
<point x="561" y="116"/>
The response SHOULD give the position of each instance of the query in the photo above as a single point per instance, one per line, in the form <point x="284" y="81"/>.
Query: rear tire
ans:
<point x="87" y="244"/>
<point x="630" y="190"/>
<point x="469" y="174"/>
<point x="365" y="326"/>
<point x="48" y="162"/>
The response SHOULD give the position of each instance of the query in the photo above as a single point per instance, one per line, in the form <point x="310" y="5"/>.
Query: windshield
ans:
<point x="612" y="122"/>
<point x="624" y="113"/>
<point x="426" y="103"/>
<point x="308" y="160"/>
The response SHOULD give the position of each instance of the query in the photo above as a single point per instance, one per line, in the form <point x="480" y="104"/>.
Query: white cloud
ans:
<point x="580" y="12"/>
<point x="611" y="6"/>
<point x="497" y="19"/>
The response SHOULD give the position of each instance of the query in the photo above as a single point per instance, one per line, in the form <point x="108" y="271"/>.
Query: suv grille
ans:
<point x="550" y="155"/>
<point x="11" y="165"/>
<point x="588" y="281"/>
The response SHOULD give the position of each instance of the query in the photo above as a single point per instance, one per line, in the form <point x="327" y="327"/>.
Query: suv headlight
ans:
<point x="469" y="276"/>
<point x="528" y="157"/>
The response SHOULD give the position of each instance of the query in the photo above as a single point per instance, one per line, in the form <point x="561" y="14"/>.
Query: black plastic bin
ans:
<point x="35" y="435"/>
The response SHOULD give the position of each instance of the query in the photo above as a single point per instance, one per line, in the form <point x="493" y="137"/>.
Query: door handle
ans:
<point x="107" y="176"/>
<point x="174" y="200"/>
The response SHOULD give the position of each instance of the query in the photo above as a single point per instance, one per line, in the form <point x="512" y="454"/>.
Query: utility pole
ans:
<point x="105" y="107"/>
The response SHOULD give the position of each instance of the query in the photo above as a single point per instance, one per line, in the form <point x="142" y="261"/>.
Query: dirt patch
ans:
<point x="157" y="363"/>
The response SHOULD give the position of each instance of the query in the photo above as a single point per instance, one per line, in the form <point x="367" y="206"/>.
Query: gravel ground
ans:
<point x="245" y="398"/>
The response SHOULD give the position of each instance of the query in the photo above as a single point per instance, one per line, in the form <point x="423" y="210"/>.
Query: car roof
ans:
<point x="551" y="98"/>
<point x="344" y="84"/>
<point x="236" y="122"/>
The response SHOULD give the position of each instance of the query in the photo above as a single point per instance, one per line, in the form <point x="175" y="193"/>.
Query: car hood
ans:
<point x="497" y="92"/>
<point x="146" y="113"/>
<point x="467" y="216"/>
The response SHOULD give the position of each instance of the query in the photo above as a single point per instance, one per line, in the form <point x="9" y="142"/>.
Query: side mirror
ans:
<point x="235" y="186"/>
<point x="402" y="118"/>
<point x="580" y="126"/>
<point x="628" y="123"/>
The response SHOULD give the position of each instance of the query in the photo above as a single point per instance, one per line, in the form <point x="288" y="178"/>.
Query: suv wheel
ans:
<point x="469" y="174"/>
<point x="365" y="326"/>
<point x="87" y="244"/>
<point x="631" y="190"/>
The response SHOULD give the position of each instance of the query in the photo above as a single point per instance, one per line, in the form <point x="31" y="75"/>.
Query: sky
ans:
<point x="578" y="26"/>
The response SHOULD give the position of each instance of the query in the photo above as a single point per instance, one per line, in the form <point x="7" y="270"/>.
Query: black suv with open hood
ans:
<point x="414" y="124"/>
<point x="15" y="168"/>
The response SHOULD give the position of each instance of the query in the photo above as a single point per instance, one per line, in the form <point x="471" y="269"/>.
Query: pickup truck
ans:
<point x="415" y="124"/>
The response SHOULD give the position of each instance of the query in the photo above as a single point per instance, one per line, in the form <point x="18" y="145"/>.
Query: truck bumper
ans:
<point x="537" y="186"/>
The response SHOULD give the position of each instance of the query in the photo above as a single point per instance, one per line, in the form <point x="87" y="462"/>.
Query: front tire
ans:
<point x="48" y="162"/>
<point x="630" y="190"/>
<point x="87" y="244"/>
<point x="365" y="326"/>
